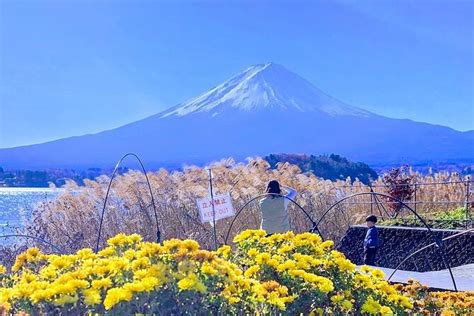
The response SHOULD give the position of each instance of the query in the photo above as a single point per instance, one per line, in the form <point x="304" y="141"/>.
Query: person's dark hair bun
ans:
<point x="371" y="218"/>
<point x="273" y="187"/>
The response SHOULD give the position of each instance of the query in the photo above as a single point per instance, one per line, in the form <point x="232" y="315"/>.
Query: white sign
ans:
<point x="222" y="206"/>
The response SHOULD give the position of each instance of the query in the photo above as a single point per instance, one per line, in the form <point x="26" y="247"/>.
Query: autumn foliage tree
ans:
<point x="400" y="185"/>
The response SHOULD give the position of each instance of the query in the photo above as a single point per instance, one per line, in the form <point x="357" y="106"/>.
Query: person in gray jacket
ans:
<point x="274" y="208"/>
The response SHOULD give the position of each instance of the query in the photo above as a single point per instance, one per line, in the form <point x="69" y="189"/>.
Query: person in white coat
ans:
<point x="274" y="208"/>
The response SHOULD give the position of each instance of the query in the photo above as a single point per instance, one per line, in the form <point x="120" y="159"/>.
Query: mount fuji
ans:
<point x="264" y="109"/>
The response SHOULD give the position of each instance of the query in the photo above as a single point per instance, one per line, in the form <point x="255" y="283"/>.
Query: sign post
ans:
<point x="213" y="210"/>
<point x="215" y="207"/>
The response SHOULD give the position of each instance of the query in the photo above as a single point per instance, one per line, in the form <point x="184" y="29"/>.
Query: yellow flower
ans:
<point x="134" y="287"/>
<point x="28" y="277"/>
<point x="262" y="258"/>
<point x="233" y="300"/>
<point x="378" y="274"/>
<point x="346" y="305"/>
<point x="287" y="265"/>
<point x="224" y="251"/>
<point x="118" y="240"/>
<point x="326" y="245"/>
<point x="249" y="234"/>
<point x="191" y="282"/>
<point x="325" y="286"/>
<point x="134" y="238"/>
<point x="106" y="252"/>
<point x="405" y="302"/>
<point x="92" y="297"/>
<point x="65" y="299"/>
<point x="206" y="268"/>
<point x="371" y="306"/>
<point x="86" y="253"/>
<point x="337" y="298"/>
<point x="297" y="273"/>
<point x="118" y="265"/>
<point x="101" y="283"/>
<point x="303" y="265"/>
<point x="345" y="265"/>
<point x="400" y="300"/>
<point x="79" y="284"/>
<point x="151" y="249"/>
<point x="115" y="296"/>
<point x="285" y="248"/>
<point x="189" y="245"/>
<point x="386" y="311"/>
<point x="252" y="252"/>
<point x="59" y="262"/>
<point x="33" y="255"/>
<point x="362" y="280"/>
<point x="42" y="295"/>
<point x="140" y="264"/>
<point x="308" y="237"/>
<point x="251" y="271"/>
<point x="322" y="283"/>
<point x="273" y="263"/>
<point x="278" y="302"/>
<point x="149" y="283"/>
<point x="387" y="288"/>
<point x="159" y="270"/>
<point x="318" y="311"/>
<point x="19" y="262"/>
<point x="171" y="245"/>
<point x="3" y="270"/>
<point x="186" y="266"/>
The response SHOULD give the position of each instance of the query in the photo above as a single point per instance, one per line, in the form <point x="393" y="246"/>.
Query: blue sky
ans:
<point x="75" y="67"/>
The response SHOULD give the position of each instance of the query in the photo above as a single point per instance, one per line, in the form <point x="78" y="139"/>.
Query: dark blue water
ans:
<point x="16" y="205"/>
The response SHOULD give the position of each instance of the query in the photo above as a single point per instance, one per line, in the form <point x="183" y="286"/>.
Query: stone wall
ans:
<point x="398" y="242"/>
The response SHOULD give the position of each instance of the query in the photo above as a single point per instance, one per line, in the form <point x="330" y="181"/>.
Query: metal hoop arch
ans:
<point x="158" y="233"/>
<point x="57" y="248"/>
<point x="374" y="194"/>
<point x="313" y="229"/>
<point x="426" y="247"/>
<point x="436" y="241"/>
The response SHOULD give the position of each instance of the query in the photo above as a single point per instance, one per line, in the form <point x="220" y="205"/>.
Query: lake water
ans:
<point x="16" y="205"/>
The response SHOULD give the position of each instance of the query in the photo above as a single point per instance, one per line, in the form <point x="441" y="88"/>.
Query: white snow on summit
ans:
<point x="268" y="86"/>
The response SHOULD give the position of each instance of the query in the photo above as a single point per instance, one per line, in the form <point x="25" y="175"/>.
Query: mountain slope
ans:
<point x="264" y="109"/>
<point x="268" y="86"/>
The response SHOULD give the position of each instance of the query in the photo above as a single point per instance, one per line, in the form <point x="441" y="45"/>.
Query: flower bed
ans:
<point x="283" y="273"/>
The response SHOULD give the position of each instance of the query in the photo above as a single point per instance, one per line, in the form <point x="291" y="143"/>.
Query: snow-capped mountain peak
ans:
<point x="266" y="86"/>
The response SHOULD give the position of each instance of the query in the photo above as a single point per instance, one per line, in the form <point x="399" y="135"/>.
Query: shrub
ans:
<point x="453" y="219"/>
<point x="427" y="302"/>
<point x="279" y="274"/>
<point x="399" y="184"/>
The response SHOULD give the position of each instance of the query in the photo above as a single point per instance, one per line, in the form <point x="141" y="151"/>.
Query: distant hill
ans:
<point x="264" y="109"/>
<point x="332" y="167"/>
<point x="43" y="178"/>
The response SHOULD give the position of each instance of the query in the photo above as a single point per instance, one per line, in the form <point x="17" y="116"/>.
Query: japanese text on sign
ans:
<point x="222" y="206"/>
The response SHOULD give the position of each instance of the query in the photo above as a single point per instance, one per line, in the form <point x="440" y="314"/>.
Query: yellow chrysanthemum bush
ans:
<point x="428" y="302"/>
<point x="279" y="274"/>
<point x="130" y="276"/>
<point x="318" y="278"/>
